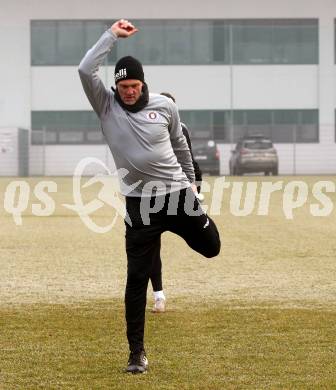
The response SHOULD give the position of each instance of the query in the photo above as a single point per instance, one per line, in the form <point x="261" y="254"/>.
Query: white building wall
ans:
<point x="265" y="87"/>
<point x="9" y="152"/>
<point x="61" y="160"/>
<point x="14" y="67"/>
<point x="326" y="76"/>
<point x="25" y="88"/>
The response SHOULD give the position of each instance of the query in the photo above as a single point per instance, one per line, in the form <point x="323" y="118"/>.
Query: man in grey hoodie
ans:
<point x="143" y="131"/>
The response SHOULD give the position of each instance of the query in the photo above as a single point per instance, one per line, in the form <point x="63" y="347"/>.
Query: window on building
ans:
<point x="70" y="43"/>
<point x="256" y="122"/>
<point x="64" y="42"/>
<point x="65" y="127"/>
<point x="275" y="41"/>
<point x="307" y="130"/>
<point x="182" y="41"/>
<point x="221" y="38"/>
<point x="44" y="43"/>
<point x="282" y="126"/>
<point x="199" y="122"/>
<point x="252" y="43"/>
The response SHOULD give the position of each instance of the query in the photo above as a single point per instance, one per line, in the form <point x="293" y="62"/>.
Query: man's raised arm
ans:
<point x="88" y="68"/>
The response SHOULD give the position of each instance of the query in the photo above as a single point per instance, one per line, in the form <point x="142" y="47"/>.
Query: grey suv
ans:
<point x="254" y="154"/>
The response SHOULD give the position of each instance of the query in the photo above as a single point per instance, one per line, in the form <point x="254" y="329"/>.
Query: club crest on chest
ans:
<point x="152" y="116"/>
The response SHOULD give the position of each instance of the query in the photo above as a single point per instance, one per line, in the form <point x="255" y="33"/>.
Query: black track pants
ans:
<point x="143" y="243"/>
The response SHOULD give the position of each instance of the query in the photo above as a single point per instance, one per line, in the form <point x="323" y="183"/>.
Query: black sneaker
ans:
<point x="137" y="363"/>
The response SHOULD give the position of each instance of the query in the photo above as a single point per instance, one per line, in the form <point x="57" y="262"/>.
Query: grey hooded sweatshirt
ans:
<point x="148" y="147"/>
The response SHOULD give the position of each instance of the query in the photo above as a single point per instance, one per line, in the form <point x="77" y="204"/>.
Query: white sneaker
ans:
<point x="159" y="306"/>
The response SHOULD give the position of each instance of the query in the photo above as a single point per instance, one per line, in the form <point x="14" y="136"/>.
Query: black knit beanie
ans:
<point x="128" y="68"/>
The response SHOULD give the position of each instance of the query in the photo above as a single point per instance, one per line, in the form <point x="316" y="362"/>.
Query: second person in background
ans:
<point x="156" y="275"/>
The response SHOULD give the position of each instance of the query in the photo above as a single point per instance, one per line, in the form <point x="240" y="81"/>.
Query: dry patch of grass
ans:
<point x="57" y="259"/>
<point x="215" y="347"/>
<point x="261" y="315"/>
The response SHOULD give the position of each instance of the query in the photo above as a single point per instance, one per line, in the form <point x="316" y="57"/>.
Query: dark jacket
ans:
<point x="198" y="172"/>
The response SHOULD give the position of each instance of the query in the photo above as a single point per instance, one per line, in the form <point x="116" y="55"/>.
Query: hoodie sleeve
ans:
<point x="179" y="143"/>
<point x="88" y="72"/>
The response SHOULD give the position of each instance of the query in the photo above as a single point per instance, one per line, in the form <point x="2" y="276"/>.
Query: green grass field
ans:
<point x="262" y="315"/>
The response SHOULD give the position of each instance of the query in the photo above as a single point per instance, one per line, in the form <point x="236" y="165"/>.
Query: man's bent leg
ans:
<point x="199" y="231"/>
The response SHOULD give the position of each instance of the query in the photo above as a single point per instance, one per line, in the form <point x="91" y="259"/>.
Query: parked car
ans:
<point x="206" y="154"/>
<point x="254" y="154"/>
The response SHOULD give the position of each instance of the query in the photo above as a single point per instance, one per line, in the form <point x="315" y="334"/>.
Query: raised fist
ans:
<point x="123" y="28"/>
